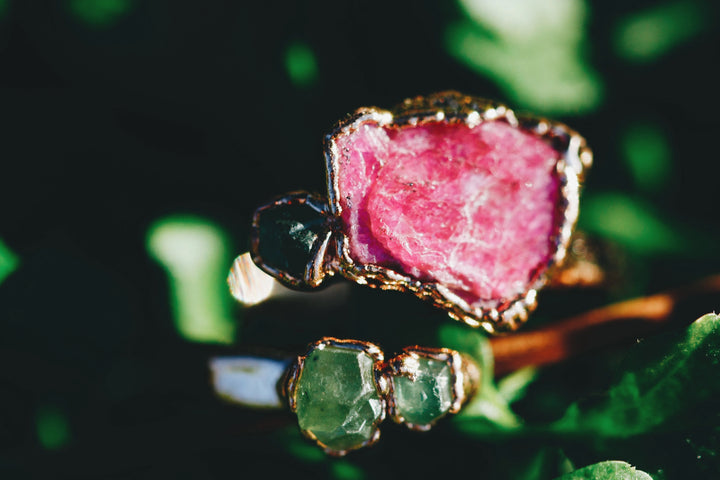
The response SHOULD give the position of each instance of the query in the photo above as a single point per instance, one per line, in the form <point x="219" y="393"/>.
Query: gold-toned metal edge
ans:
<point x="315" y="269"/>
<point x="448" y="107"/>
<point x="381" y="384"/>
<point x="465" y="376"/>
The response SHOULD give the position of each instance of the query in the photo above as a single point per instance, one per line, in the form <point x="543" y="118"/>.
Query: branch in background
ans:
<point x="612" y="325"/>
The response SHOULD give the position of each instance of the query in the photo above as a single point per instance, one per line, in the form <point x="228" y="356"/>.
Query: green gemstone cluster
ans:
<point x="343" y="389"/>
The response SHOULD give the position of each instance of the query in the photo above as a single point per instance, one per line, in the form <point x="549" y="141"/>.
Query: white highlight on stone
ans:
<point x="250" y="381"/>
<point x="248" y="284"/>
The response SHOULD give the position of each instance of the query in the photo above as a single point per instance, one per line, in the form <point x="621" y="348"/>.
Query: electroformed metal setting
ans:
<point x="331" y="254"/>
<point x="465" y="377"/>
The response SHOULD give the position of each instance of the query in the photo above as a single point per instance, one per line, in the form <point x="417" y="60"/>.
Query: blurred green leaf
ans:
<point x="195" y="254"/>
<point x="344" y="470"/>
<point x="532" y="49"/>
<point x="629" y="222"/>
<point x="53" y="429"/>
<point x="301" y="65"/>
<point x="668" y="380"/>
<point x="705" y="444"/>
<point x="299" y="447"/>
<point x="302" y="449"/>
<point x="512" y="387"/>
<point x="100" y="13"/>
<point x="8" y="261"/>
<point x="647" y="155"/>
<point x="611" y="470"/>
<point x="667" y="383"/>
<point x="489" y="410"/>
<point x="546" y="462"/>
<point x="647" y="35"/>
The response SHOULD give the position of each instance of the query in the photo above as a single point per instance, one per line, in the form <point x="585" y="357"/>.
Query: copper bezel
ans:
<point x="465" y="377"/>
<point x="315" y="270"/>
<point x="380" y="382"/>
<point x="452" y="107"/>
<point x="462" y="390"/>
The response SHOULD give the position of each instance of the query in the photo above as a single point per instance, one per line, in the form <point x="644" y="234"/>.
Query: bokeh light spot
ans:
<point x="629" y="222"/>
<point x="195" y="254"/>
<point x="300" y="448"/>
<point x="648" y="35"/>
<point x="100" y="13"/>
<point x="534" y="50"/>
<point x="344" y="470"/>
<point x="53" y="429"/>
<point x="301" y="65"/>
<point x="647" y="155"/>
<point x="8" y="261"/>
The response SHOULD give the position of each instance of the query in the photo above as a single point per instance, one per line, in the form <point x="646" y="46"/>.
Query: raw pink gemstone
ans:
<point x="473" y="209"/>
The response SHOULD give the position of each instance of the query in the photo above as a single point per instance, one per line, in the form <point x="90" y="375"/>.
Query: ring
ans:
<point x="341" y="390"/>
<point x="451" y="197"/>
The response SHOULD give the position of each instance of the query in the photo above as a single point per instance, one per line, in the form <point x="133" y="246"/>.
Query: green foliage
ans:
<point x="100" y="13"/>
<point x="647" y="155"/>
<point x="489" y="408"/>
<point x="344" y="470"/>
<point x="195" y="254"/>
<point x="119" y="111"/>
<point x="547" y="462"/>
<point x="513" y="386"/>
<point x="299" y="448"/>
<point x="53" y="430"/>
<point x="663" y="379"/>
<point x="8" y="261"/>
<point x="665" y="386"/>
<point x="612" y="470"/>
<point x="631" y="223"/>
<point x="665" y="382"/>
<point x="646" y="36"/>
<point x="301" y="65"/>
<point x="531" y="50"/>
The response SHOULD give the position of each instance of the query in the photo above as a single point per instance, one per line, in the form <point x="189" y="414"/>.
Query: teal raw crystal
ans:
<point x="427" y="397"/>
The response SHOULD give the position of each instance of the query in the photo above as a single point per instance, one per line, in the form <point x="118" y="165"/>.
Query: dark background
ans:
<point x="116" y="114"/>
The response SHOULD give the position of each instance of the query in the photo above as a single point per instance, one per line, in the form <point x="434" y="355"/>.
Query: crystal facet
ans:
<point x="336" y="397"/>
<point x="426" y="397"/>
<point x="475" y="209"/>
<point x="287" y="234"/>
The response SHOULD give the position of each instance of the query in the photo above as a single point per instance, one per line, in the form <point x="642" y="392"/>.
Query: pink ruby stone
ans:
<point x="471" y="208"/>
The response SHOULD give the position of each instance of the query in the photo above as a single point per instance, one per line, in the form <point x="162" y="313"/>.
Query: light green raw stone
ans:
<point x="429" y="396"/>
<point x="337" y="400"/>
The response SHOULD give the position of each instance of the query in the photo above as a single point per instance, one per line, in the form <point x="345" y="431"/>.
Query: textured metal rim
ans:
<point x="452" y="107"/>
<point x="464" y="382"/>
<point x="315" y="269"/>
<point x="380" y="383"/>
<point x="465" y="376"/>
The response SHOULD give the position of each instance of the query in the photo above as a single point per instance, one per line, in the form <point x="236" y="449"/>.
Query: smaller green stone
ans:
<point x="429" y="396"/>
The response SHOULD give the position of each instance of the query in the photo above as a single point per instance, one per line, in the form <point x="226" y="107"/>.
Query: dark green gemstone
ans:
<point x="336" y="397"/>
<point x="427" y="397"/>
<point x="287" y="234"/>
